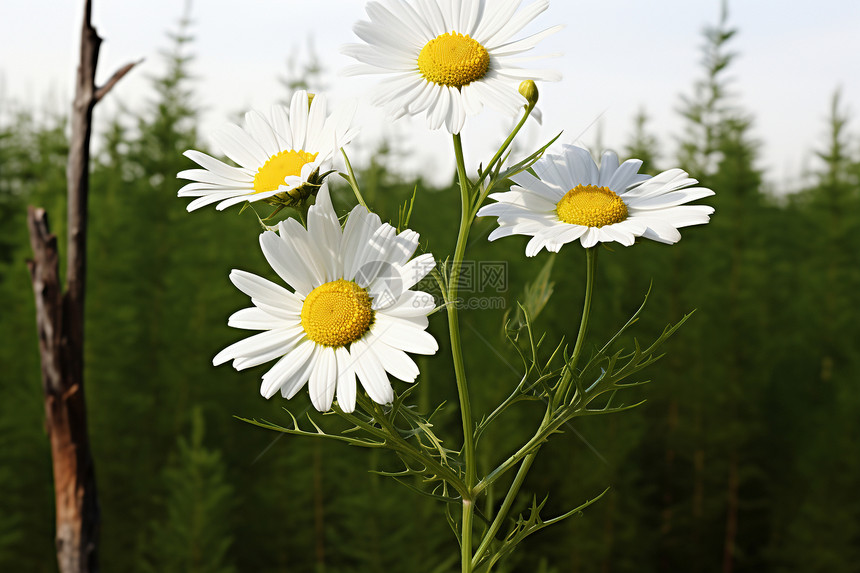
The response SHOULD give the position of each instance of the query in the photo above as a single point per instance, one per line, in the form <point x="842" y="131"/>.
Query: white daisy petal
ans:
<point x="297" y="240"/>
<point x="287" y="263"/>
<point x="323" y="379"/>
<point x="346" y="391"/>
<point x="292" y="338"/>
<point x="608" y="166"/>
<point x="626" y="175"/>
<point x="394" y="361"/>
<point x="259" y="288"/>
<point x="295" y="378"/>
<point x="218" y="167"/>
<point x="324" y="231"/>
<point x="412" y="303"/>
<point x="281" y="123"/>
<point x="416" y="269"/>
<point x="254" y="345"/>
<point x="254" y="318"/>
<point x="299" y="110"/>
<point x="285" y="367"/>
<point x="524" y="45"/>
<point x="203" y="201"/>
<point x="208" y="177"/>
<point x="262" y="132"/>
<point x="400" y="334"/>
<point x="370" y="372"/>
<point x="495" y="18"/>
<point x="370" y="259"/>
<point x="239" y="146"/>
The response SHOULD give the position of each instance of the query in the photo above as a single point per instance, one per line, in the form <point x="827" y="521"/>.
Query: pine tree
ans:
<point x="819" y="514"/>
<point x="643" y="144"/>
<point x="193" y="536"/>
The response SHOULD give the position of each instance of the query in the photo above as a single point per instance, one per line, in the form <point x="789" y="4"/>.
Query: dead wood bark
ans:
<point x="60" y="323"/>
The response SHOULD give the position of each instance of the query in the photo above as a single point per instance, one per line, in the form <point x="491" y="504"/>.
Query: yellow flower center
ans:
<point x="591" y="206"/>
<point x="453" y="60"/>
<point x="271" y="175"/>
<point x="337" y="313"/>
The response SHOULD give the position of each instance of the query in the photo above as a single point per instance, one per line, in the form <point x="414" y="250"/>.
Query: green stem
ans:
<point x="505" y="508"/>
<point x="489" y="168"/>
<point x="591" y="267"/>
<point x="353" y="182"/>
<point x="549" y="425"/>
<point x="395" y="442"/>
<point x="457" y="355"/>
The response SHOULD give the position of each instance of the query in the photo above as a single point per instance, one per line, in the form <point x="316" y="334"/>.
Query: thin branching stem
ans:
<point x="457" y="354"/>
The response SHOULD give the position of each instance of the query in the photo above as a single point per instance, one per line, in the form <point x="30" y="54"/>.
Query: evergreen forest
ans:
<point x="742" y="458"/>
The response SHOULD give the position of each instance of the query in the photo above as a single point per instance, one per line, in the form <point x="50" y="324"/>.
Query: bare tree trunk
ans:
<point x="60" y="323"/>
<point x="65" y="410"/>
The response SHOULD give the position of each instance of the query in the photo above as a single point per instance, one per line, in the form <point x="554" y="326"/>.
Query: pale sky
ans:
<point x="617" y="56"/>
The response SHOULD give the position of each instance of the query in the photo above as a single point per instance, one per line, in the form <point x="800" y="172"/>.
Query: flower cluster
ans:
<point x="351" y="314"/>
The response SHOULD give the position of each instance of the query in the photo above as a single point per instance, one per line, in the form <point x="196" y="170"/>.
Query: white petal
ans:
<point x="255" y="318"/>
<point x="261" y="289"/>
<point x="240" y="147"/>
<point x="608" y="167"/>
<point x="286" y="367"/>
<point x="262" y="132"/>
<point x="286" y="263"/>
<point x="324" y="231"/>
<point x="346" y="391"/>
<point x="626" y="175"/>
<point x="296" y="381"/>
<point x="281" y="124"/>
<point x="671" y="199"/>
<point x="299" y="118"/>
<point x="412" y="303"/>
<point x="581" y="167"/>
<point x="254" y="345"/>
<point x="400" y="334"/>
<point x="494" y="18"/>
<point x="296" y="238"/>
<point x="371" y="373"/>
<point x="590" y="237"/>
<point x="416" y="269"/>
<point x="219" y="167"/>
<point x="394" y="361"/>
<point x="370" y="258"/>
<point x="292" y="337"/>
<point x="323" y="379"/>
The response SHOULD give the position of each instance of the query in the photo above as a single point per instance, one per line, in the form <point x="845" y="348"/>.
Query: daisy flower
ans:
<point x="448" y="58"/>
<point x="350" y="314"/>
<point x="574" y="199"/>
<point x="280" y="157"/>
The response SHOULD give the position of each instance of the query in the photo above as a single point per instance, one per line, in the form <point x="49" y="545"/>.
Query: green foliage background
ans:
<point x="743" y="458"/>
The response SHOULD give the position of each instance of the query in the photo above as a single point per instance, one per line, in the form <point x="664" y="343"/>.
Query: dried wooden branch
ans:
<point x="117" y="76"/>
<point x="60" y="322"/>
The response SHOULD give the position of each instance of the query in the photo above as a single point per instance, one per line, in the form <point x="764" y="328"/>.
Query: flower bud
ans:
<point x="529" y="90"/>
